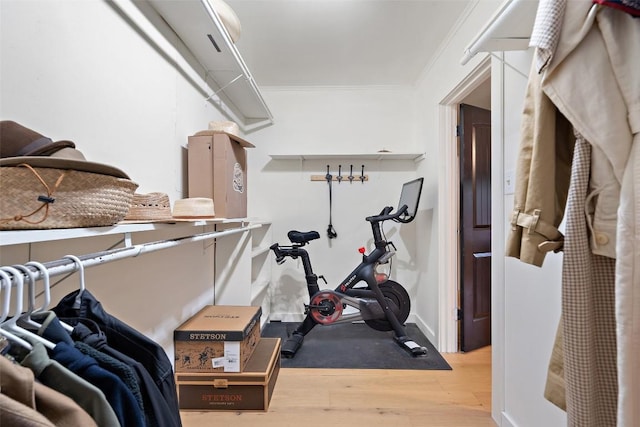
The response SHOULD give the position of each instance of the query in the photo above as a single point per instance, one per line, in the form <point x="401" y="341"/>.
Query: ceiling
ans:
<point x="342" y="42"/>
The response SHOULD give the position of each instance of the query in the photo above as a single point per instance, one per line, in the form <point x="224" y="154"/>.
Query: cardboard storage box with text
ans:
<point x="217" y="338"/>
<point x="250" y="390"/>
<point x="217" y="169"/>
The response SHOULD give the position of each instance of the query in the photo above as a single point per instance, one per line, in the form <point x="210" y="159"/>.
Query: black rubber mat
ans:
<point x="355" y="346"/>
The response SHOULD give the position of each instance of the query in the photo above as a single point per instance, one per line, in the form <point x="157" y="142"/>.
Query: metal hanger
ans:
<point x="11" y="324"/>
<point x="5" y="286"/>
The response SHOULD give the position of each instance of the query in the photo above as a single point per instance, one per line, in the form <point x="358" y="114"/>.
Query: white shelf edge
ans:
<point x="256" y="252"/>
<point x="261" y="221"/>
<point x="17" y="237"/>
<point x="363" y="156"/>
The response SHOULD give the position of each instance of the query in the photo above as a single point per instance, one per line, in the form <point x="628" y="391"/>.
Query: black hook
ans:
<point x="339" y="173"/>
<point x="351" y="174"/>
<point x="328" y="176"/>
<point x="362" y="175"/>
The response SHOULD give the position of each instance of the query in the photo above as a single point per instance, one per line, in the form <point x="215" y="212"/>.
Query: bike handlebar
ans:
<point x="278" y="253"/>
<point x="386" y="214"/>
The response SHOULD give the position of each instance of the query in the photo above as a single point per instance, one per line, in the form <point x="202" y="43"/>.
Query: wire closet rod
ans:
<point x="66" y="265"/>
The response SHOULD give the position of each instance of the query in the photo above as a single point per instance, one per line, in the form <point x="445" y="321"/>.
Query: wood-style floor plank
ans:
<point x="372" y="398"/>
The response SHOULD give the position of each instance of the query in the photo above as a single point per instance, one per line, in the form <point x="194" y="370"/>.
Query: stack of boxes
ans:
<point x="222" y="363"/>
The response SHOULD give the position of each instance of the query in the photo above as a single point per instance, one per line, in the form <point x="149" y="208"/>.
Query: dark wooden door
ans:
<point x="475" y="227"/>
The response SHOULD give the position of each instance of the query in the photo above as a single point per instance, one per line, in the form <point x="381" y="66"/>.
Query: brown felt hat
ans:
<point x="21" y="145"/>
<point x="17" y="140"/>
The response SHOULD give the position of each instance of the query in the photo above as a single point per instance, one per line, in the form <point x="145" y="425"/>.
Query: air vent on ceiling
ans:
<point x="213" y="42"/>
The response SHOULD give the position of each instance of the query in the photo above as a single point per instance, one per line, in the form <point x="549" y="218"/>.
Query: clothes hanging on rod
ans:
<point x="88" y="334"/>
<point x="85" y="358"/>
<point x="600" y="44"/>
<point x="127" y="341"/>
<point x="24" y="401"/>
<point x="129" y="376"/>
<point x="88" y="396"/>
<point x="117" y="376"/>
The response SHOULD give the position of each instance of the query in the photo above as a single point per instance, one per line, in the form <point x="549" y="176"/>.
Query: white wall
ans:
<point x="332" y="120"/>
<point x="527" y="297"/>
<point x="437" y="81"/>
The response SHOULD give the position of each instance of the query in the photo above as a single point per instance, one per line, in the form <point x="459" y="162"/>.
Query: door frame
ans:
<point x="448" y="205"/>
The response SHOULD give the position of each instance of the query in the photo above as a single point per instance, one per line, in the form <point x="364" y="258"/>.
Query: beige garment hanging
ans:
<point x="621" y="35"/>
<point x="588" y="311"/>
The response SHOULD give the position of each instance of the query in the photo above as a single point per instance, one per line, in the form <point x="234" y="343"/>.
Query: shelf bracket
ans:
<point x="128" y="241"/>
<point x="223" y="87"/>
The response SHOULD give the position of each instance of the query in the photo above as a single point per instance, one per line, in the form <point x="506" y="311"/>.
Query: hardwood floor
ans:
<point x="371" y="398"/>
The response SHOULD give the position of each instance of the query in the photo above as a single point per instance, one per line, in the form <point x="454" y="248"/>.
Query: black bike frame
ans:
<point x="364" y="272"/>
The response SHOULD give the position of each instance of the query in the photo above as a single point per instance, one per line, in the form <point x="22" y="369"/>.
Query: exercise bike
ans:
<point x="382" y="304"/>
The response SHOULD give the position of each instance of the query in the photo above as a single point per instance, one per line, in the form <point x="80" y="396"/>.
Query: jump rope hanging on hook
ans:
<point x="331" y="232"/>
<point x="329" y="178"/>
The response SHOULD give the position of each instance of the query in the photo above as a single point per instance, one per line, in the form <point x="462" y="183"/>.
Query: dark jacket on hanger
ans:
<point x="53" y="331"/>
<point x="130" y="342"/>
<point x="156" y="409"/>
<point x="111" y="364"/>
<point x="118" y="395"/>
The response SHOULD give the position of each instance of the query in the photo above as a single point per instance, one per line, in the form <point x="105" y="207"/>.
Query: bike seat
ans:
<point x="302" y="237"/>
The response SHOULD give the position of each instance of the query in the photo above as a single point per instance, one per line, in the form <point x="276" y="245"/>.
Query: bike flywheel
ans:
<point x="325" y="307"/>
<point x="399" y="302"/>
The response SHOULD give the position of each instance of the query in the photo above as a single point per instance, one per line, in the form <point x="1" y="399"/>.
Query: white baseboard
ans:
<point x="506" y="421"/>
<point x="424" y="328"/>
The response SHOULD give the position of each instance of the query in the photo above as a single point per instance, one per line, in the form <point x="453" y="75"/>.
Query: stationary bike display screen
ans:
<point x="410" y="196"/>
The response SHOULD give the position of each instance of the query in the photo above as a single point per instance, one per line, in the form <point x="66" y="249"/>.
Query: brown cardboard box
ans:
<point x="217" y="166"/>
<point x="219" y="338"/>
<point x="246" y="391"/>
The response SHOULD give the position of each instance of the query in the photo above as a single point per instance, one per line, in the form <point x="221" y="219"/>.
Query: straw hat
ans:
<point x="229" y="128"/>
<point x="151" y="207"/>
<point x="49" y="184"/>
<point x="193" y="208"/>
<point x="229" y="19"/>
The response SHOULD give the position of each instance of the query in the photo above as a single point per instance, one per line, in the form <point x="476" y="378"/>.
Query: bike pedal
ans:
<point x="419" y="351"/>
<point x="412" y="347"/>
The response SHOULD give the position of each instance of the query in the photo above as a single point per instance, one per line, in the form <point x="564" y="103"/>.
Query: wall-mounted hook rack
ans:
<point x="339" y="178"/>
<point x="335" y="178"/>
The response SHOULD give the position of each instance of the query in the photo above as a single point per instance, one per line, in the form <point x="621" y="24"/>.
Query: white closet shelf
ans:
<point x="16" y="237"/>
<point x="261" y="250"/>
<point x="197" y="24"/>
<point x="360" y="156"/>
